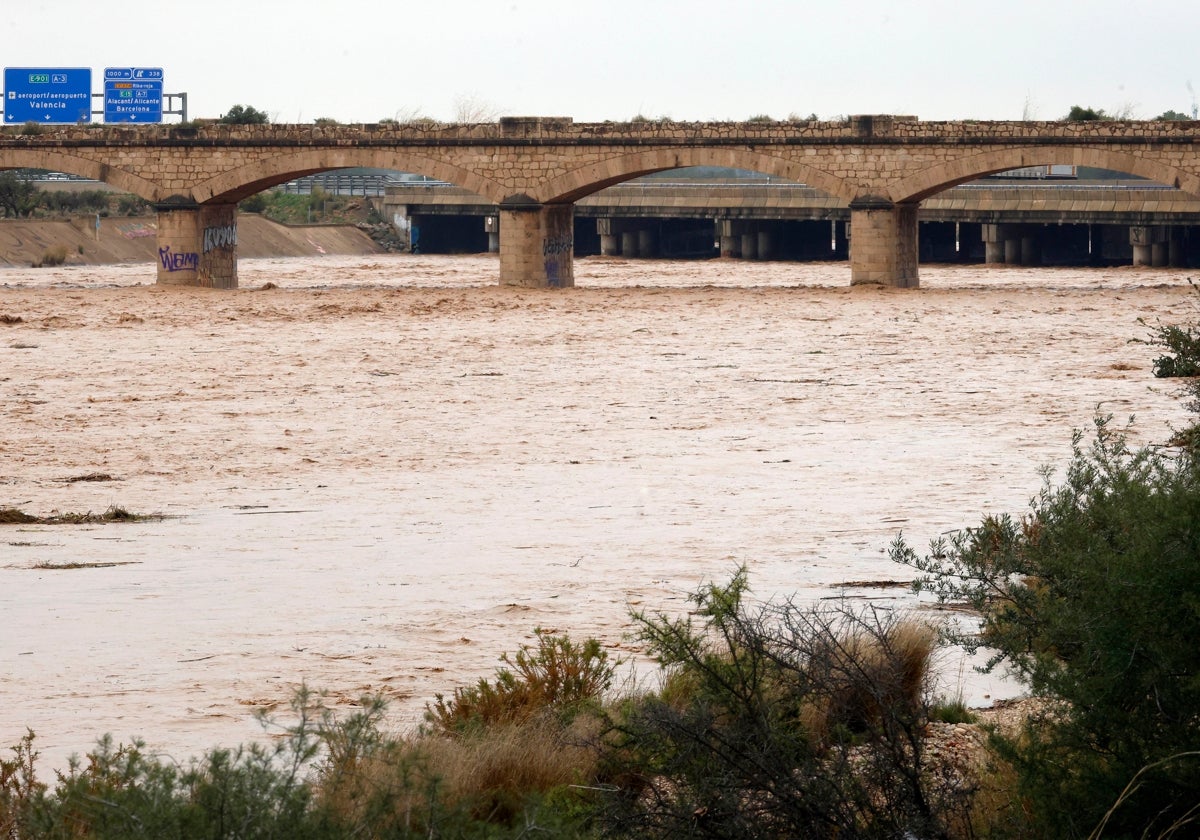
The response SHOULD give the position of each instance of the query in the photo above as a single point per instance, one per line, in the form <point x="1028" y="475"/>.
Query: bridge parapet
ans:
<point x="859" y="129"/>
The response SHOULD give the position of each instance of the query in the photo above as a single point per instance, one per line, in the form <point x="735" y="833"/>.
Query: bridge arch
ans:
<point x="244" y="181"/>
<point x="594" y="177"/>
<point x="937" y="178"/>
<point x="96" y="170"/>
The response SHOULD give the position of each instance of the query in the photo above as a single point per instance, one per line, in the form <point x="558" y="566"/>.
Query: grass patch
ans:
<point x="872" y="584"/>
<point x="13" y="516"/>
<point x="92" y="476"/>
<point x="952" y="711"/>
<point x="58" y="566"/>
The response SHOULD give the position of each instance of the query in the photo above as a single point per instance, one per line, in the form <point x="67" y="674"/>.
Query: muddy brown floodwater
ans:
<point x="387" y="471"/>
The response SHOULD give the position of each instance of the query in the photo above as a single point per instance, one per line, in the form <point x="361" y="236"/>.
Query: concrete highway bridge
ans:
<point x="534" y="170"/>
<point x="1027" y="222"/>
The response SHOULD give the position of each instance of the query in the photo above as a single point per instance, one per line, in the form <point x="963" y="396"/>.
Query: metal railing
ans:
<point x="350" y="184"/>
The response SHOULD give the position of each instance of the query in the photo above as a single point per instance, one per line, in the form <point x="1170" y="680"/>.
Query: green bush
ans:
<point x="1079" y="113"/>
<point x="132" y="205"/>
<point x="1181" y="360"/>
<point x="1093" y="601"/>
<point x="256" y="203"/>
<point x="557" y="675"/>
<point x="244" y="115"/>
<point x="1182" y="344"/>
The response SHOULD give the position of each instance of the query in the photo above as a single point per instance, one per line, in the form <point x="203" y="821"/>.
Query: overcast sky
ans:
<point x="365" y="60"/>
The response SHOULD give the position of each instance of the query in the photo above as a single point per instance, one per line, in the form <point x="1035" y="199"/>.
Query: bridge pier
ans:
<point x="491" y="226"/>
<point x="197" y="245"/>
<point x="1149" y="245"/>
<point x="729" y="235"/>
<point x="883" y="243"/>
<point x="537" y="243"/>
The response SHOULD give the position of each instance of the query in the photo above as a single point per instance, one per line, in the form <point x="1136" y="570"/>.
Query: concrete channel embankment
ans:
<point x="24" y="242"/>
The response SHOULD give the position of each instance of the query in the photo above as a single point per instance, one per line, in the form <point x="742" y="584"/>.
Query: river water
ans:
<point x="386" y="471"/>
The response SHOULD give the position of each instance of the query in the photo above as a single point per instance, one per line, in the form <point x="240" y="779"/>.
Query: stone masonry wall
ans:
<point x="556" y="160"/>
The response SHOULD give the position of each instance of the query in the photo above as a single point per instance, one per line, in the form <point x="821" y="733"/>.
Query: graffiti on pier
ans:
<point x="553" y="249"/>
<point x="220" y="237"/>
<point x="553" y="245"/>
<point x="184" y="261"/>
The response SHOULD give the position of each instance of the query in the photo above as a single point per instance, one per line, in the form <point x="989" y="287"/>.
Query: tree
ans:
<point x="18" y="197"/>
<point x="1173" y="115"/>
<point x="1093" y="601"/>
<point x="244" y="115"/>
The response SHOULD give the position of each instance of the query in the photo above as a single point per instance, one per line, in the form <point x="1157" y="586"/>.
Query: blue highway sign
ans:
<point x="133" y="95"/>
<point x="50" y="95"/>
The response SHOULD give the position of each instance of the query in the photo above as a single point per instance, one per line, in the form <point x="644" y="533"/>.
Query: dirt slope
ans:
<point x="23" y="242"/>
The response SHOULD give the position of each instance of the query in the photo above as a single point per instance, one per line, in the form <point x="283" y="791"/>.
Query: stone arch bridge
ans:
<point x="534" y="168"/>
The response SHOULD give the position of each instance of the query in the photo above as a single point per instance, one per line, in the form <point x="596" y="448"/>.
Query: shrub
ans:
<point x="507" y="777"/>
<point x="498" y="776"/>
<point x="1079" y="113"/>
<point x="1093" y="601"/>
<point x="131" y="205"/>
<point x="256" y="203"/>
<point x="52" y="256"/>
<point x="1182" y="344"/>
<point x="778" y="721"/>
<point x="318" y="196"/>
<point x="244" y="115"/>
<point x="86" y="201"/>
<point x="557" y="675"/>
<point x="20" y="791"/>
<point x="1182" y="359"/>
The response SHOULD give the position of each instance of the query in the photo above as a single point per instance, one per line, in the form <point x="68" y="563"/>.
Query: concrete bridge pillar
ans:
<point x="750" y="246"/>
<point x="537" y="243"/>
<point x="610" y="237"/>
<point x="1147" y="242"/>
<point x="197" y="245"/>
<point x="766" y="245"/>
<point x="1000" y="244"/>
<point x="883" y="243"/>
<point x="729" y="235"/>
<point x="491" y="226"/>
<point x="629" y="243"/>
<point x="647" y="243"/>
<point x="1029" y="251"/>
<point x="1012" y="251"/>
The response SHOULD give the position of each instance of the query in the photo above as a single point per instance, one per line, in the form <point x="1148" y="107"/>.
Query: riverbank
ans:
<point x="121" y="239"/>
